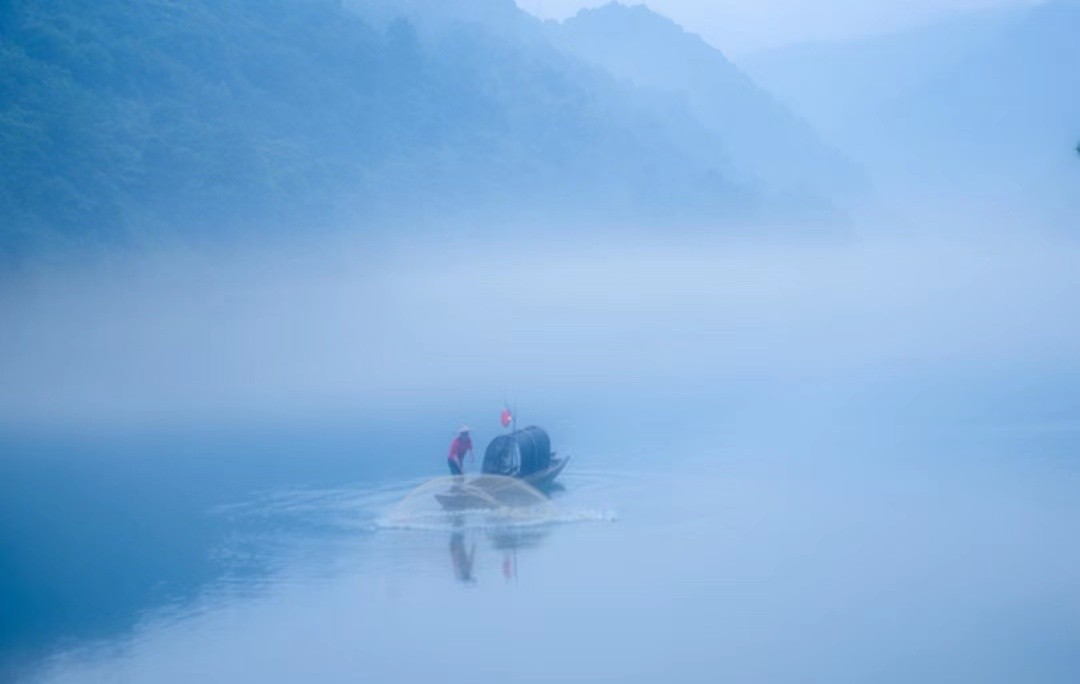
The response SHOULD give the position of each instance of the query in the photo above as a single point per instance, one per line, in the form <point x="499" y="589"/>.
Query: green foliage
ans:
<point x="121" y="118"/>
<point x="184" y="112"/>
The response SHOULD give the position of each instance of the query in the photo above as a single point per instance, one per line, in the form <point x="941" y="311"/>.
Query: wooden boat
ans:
<point x="462" y="498"/>
<point x="524" y="455"/>
<point x="489" y="492"/>
<point x="543" y="479"/>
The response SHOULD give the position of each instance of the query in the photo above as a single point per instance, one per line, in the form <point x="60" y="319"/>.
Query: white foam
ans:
<point x="500" y="502"/>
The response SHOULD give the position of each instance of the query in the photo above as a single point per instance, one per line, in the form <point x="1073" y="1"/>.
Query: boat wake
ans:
<point x="484" y="502"/>
<point x="489" y="502"/>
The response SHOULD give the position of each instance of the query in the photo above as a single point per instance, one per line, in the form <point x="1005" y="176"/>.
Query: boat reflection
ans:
<point x="506" y="542"/>
<point x="509" y="541"/>
<point x="461" y="559"/>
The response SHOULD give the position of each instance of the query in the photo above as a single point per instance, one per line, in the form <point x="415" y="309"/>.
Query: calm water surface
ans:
<point x="945" y="553"/>
<point x="850" y="463"/>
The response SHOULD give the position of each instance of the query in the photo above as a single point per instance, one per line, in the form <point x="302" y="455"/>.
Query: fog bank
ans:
<point x="170" y="338"/>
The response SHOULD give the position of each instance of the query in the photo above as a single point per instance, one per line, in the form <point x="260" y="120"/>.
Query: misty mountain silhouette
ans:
<point x="837" y="84"/>
<point x="126" y="124"/>
<point x="762" y="137"/>
<point x="1015" y="101"/>
<point x="986" y="100"/>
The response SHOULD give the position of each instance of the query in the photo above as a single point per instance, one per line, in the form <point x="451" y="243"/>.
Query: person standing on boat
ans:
<point x="461" y="445"/>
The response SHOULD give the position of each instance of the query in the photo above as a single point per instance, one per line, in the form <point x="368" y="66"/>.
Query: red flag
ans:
<point x="506" y="417"/>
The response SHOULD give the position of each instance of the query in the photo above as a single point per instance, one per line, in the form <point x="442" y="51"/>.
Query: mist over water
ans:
<point x="849" y="453"/>
<point x="805" y="331"/>
<point x="430" y="326"/>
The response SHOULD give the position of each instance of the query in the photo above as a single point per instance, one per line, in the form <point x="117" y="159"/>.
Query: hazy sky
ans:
<point x="741" y="26"/>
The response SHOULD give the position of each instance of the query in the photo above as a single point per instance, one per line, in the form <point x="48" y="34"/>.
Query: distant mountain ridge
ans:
<point x="132" y="120"/>
<point x="995" y="113"/>
<point x="833" y="83"/>
<point x="1015" y="100"/>
<point x="761" y="135"/>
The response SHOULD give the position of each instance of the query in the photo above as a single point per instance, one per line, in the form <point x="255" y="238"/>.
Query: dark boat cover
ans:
<point x="518" y="454"/>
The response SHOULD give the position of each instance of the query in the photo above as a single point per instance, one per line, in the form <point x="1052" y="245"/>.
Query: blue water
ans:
<point x="888" y="546"/>
<point x="839" y="463"/>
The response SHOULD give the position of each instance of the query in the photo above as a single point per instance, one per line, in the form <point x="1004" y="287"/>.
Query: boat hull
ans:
<point x="545" y="478"/>
<point x="464" y="501"/>
<point x="467" y="497"/>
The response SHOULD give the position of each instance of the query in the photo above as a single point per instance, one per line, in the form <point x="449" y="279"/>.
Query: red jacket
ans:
<point x="461" y="445"/>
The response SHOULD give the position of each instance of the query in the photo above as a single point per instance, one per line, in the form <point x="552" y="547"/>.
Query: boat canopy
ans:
<point x="518" y="454"/>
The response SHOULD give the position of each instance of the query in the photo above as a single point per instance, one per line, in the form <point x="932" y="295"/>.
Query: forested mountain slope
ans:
<point x="128" y="120"/>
